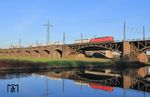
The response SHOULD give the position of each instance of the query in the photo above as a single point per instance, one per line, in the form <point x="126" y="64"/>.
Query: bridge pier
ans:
<point x="130" y="54"/>
<point x="127" y="81"/>
<point x="109" y="54"/>
<point x="141" y="57"/>
<point x="65" y="51"/>
<point x="142" y="72"/>
<point x="126" y="51"/>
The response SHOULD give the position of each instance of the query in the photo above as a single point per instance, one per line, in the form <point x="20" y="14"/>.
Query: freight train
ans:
<point x="95" y="40"/>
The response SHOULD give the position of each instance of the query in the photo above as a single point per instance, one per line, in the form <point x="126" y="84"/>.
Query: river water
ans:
<point x="100" y="82"/>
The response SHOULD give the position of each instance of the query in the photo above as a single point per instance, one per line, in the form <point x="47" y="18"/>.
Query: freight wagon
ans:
<point x="82" y="41"/>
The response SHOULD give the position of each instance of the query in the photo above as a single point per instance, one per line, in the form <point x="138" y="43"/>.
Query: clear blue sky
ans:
<point x="24" y="19"/>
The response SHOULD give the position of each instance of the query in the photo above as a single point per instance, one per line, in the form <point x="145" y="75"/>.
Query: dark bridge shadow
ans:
<point x="98" y="55"/>
<point x="59" y="52"/>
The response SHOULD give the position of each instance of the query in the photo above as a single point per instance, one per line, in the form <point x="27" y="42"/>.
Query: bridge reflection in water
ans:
<point x="105" y="79"/>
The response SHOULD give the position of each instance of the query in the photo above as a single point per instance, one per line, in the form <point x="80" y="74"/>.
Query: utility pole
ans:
<point x="81" y="37"/>
<point x="63" y="45"/>
<point x="63" y="85"/>
<point x="143" y="33"/>
<point x="47" y="87"/>
<point x="124" y="31"/>
<point x="36" y="42"/>
<point x="11" y="46"/>
<point x="48" y="32"/>
<point x="19" y="42"/>
<point x="64" y="38"/>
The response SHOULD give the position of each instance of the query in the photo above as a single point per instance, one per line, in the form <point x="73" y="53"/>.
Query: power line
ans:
<point x="138" y="30"/>
<point x="81" y="37"/>
<point x="64" y="37"/>
<point x="63" y="46"/>
<point x="20" y="42"/>
<point x="124" y="31"/>
<point x="143" y="33"/>
<point x="48" y="25"/>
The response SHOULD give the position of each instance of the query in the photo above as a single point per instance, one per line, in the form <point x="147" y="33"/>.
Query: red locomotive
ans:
<point x="101" y="87"/>
<point x="95" y="40"/>
<point x="102" y="39"/>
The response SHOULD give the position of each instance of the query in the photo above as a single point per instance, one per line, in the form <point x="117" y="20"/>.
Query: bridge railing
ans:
<point x="135" y="39"/>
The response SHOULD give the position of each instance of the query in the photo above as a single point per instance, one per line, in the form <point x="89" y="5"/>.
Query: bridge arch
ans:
<point x="18" y="53"/>
<point x="27" y="53"/>
<point x="12" y="53"/>
<point x="6" y="53"/>
<point x="92" y="48"/>
<point x="35" y="53"/>
<point x="45" y="53"/>
<point x="99" y="55"/>
<point x="96" y="51"/>
<point x="1" y="52"/>
<point x="57" y="53"/>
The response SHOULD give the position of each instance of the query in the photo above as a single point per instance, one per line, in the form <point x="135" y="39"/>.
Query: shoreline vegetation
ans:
<point x="17" y="63"/>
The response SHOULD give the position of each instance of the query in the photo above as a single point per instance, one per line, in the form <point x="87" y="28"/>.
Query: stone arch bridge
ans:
<point x="129" y="50"/>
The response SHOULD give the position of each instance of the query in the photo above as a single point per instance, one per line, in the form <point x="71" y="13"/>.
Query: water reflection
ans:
<point x="137" y="79"/>
<point x="110" y="80"/>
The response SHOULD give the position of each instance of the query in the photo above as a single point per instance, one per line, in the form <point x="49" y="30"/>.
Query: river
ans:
<point x="100" y="82"/>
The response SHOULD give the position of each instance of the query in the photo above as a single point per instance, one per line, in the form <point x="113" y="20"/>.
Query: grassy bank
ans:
<point x="57" y="59"/>
<point x="35" y="63"/>
<point x="14" y="63"/>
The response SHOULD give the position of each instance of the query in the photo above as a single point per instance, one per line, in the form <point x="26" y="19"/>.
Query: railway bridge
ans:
<point x="129" y="50"/>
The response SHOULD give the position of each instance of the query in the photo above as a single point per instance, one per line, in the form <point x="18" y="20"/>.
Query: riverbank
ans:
<point x="56" y="59"/>
<point x="16" y="63"/>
